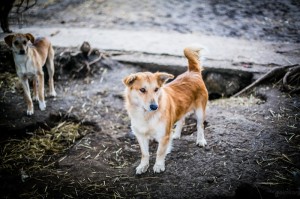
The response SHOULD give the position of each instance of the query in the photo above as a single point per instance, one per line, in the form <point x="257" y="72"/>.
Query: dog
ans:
<point x="154" y="106"/>
<point x="30" y="55"/>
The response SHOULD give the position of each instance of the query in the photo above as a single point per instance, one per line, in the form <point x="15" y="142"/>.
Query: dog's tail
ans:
<point x="193" y="55"/>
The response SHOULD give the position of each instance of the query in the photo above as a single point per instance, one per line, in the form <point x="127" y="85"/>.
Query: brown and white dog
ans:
<point x="30" y="55"/>
<point x="154" y="107"/>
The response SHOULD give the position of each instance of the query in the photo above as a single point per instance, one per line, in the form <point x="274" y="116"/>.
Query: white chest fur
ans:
<point x="152" y="127"/>
<point x="25" y="66"/>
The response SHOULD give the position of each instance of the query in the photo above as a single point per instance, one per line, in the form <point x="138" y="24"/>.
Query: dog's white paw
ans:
<point x="158" y="168"/>
<point x="35" y="98"/>
<point x="42" y="105"/>
<point x="52" y="93"/>
<point x="142" y="168"/>
<point x="176" y="136"/>
<point x="201" y="143"/>
<point x="29" y="111"/>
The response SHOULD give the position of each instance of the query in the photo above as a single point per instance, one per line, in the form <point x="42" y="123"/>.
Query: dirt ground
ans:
<point x="276" y="20"/>
<point x="253" y="140"/>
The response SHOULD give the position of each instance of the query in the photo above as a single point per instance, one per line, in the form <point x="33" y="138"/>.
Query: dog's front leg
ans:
<point x="144" y="145"/>
<point x="42" y="103"/>
<point x="164" y="147"/>
<point x="27" y="96"/>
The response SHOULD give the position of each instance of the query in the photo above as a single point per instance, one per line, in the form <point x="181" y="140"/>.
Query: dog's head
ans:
<point x="19" y="42"/>
<point x="144" y="89"/>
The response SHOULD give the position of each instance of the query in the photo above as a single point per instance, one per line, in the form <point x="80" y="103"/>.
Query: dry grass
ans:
<point x="35" y="158"/>
<point x="282" y="167"/>
<point x="41" y="147"/>
<point x="284" y="171"/>
<point x="8" y="82"/>
<point x="238" y="101"/>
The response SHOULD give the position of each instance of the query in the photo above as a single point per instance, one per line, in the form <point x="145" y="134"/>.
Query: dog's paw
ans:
<point x="176" y="136"/>
<point x="52" y="94"/>
<point x="141" y="169"/>
<point x="158" y="168"/>
<point x="29" y="111"/>
<point x="42" y="105"/>
<point x="35" y="98"/>
<point x="201" y="143"/>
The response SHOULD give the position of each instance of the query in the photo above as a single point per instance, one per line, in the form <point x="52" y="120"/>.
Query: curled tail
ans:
<point x="193" y="56"/>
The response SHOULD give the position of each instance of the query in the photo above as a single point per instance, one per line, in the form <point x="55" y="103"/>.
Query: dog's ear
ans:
<point x="30" y="37"/>
<point x="8" y="40"/>
<point x="129" y="80"/>
<point x="163" y="77"/>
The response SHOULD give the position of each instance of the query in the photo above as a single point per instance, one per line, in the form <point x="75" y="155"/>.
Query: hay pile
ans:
<point x="41" y="147"/>
<point x="8" y="82"/>
<point x="246" y="101"/>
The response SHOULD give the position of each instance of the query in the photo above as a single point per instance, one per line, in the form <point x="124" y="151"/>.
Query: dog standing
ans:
<point x="154" y="107"/>
<point x="30" y="55"/>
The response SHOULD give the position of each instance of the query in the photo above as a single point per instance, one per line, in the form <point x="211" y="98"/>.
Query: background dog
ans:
<point x="30" y="55"/>
<point x="154" y="107"/>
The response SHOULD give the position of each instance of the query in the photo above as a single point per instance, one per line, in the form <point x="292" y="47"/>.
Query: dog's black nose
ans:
<point x="22" y="52"/>
<point x="153" y="107"/>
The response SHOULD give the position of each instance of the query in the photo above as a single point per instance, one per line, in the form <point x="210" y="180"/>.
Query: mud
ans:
<point x="256" y="20"/>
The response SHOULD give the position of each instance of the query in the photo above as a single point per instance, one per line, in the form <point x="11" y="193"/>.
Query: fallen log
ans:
<point x="293" y="75"/>
<point x="278" y="71"/>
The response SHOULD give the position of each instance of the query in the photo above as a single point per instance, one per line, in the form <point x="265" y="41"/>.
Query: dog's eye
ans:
<point x="143" y="90"/>
<point x="156" y="89"/>
<point x="24" y="42"/>
<point x="16" y="43"/>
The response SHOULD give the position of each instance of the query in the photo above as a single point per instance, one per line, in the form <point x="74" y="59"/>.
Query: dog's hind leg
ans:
<point x="51" y="69"/>
<point x="41" y="92"/>
<point x="200" y="114"/>
<point x="35" y="90"/>
<point x="178" y="128"/>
